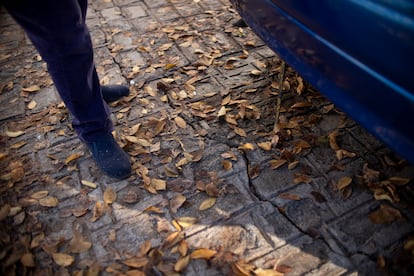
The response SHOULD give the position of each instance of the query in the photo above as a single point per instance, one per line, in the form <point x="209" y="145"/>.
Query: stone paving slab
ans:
<point x="292" y="219"/>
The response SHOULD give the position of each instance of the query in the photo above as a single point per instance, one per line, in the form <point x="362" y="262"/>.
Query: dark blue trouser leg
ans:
<point x="57" y="29"/>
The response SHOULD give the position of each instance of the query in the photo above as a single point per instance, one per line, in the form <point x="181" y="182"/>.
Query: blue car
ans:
<point x="359" y="53"/>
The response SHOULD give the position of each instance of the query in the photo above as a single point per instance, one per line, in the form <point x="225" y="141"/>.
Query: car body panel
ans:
<point x="357" y="53"/>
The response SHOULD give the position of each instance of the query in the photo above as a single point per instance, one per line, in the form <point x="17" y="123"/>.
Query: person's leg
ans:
<point x="58" y="31"/>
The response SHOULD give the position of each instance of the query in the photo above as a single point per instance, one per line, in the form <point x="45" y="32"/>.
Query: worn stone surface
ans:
<point x="184" y="58"/>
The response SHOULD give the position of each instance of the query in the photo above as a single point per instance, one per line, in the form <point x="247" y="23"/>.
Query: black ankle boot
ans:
<point x="114" y="92"/>
<point x="109" y="156"/>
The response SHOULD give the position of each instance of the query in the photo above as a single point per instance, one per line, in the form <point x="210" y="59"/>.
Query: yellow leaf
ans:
<point x="247" y="146"/>
<point x="240" y="132"/>
<point x="301" y="178"/>
<point x="227" y="165"/>
<point x="267" y="272"/>
<point x="154" y="209"/>
<point x="18" y="145"/>
<point x="62" y="259"/>
<point x="256" y="72"/>
<point x="144" y="143"/>
<point x="32" y="105"/>
<point x="300" y="105"/>
<point x="28" y="260"/>
<point x="344" y="182"/>
<point x="172" y="239"/>
<point x="168" y="66"/>
<point x="158" y="184"/>
<point x="222" y="111"/>
<point x="89" y="184"/>
<point x="182" y="263"/>
<point x="33" y="88"/>
<point x="183" y="248"/>
<point x="135" y="273"/>
<point x="37" y="240"/>
<point x="131" y="139"/>
<point x="73" y="157"/>
<point x="276" y="163"/>
<point x="265" y="145"/>
<point x="207" y="204"/>
<point x="180" y="122"/>
<point x="293" y="165"/>
<point x="145" y="248"/>
<point x="109" y="195"/>
<point x="165" y="47"/>
<point x="49" y="201"/>
<point x="39" y="194"/>
<point x="136" y="262"/>
<point x="203" y="253"/>
<point x="186" y="221"/>
<point x="98" y="211"/>
<point x="14" y="134"/>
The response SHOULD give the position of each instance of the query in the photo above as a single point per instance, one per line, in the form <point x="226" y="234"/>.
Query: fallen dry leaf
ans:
<point x="212" y="190"/>
<point x="158" y="184"/>
<point x="247" y="146"/>
<point x="98" y="211"/>
<point x="282" y="268"/>
<point x="73" y="157"/>
<point x="37" y="240"/>
<point x="134" y="273"/>
<point x="154" y="209"/>
<point x="40" y="194"/>
<point x="180" y="122"/>
<point x="109" y="196"/>
<point x="172" y="239"/>
<point x="399" y="181"/>
<point x="89" y="184"/>
<point x="186" y="221"/>
<point x="227" y="165"/>
<point x="176" y="202"/>
<point x="276" y="163"/>
<point x="207" y="204"/>
<point x="49" y="201"/>
<point x="289" y="196"/>
<point x="265" y="145"/>
<point x="241" y="268"/>
<point x="182" y="263"/>
<point x="293" y="165"/>
<point x="145" y="248"/>
<point x="240" y="132"/>
<point x="33" y="88"/>
<point x="385" y="215"/>
<point x="31" y="105"/>
<point x="62" y="259"/>
<point x="136" y="262"/>
<point x="301" y="178"/>
<point x="344" y="182"/>
<point x="183" y="248"/>
<point x="203" y="253"/>
<point x="28" y="260"/>
<point x="14" y="134"/>
<point x="267" y="272"/>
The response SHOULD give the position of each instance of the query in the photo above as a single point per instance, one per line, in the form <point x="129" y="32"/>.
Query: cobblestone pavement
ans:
<point x="320" y="197"/>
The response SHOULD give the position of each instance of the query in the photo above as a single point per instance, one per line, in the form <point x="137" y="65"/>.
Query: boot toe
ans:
<point x="109" y="157"/>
